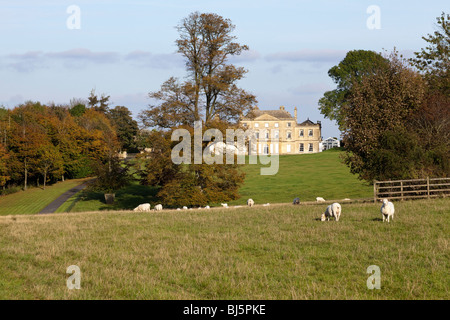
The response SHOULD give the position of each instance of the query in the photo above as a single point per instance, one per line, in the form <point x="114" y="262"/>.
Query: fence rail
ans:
<point x="411" y="189"/>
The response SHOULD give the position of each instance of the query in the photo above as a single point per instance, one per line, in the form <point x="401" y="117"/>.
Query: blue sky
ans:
<point x="126" y="49"/>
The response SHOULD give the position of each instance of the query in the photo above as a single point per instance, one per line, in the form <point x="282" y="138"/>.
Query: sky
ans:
<point x="50" y="52"/>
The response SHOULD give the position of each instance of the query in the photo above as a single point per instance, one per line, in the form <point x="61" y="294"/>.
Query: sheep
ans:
<point x="178" y="209"/>
<point x="142" y="207"/>
<point x="387" y="210"/>
<point x="266" y="205"/>
<point x="185" y="208"/>
<point x="225" y="205"/>
<point x="207" y="207"/>
<point x="333" y="210"/>
<point x="158" y="207"/>
<point x="250" y="202"/>
<point x="296" y="201"/>
<point x="320" y="199"/>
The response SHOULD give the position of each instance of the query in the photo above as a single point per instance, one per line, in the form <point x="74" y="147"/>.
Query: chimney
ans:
<point x="282" y="108"/>
<point x="295" y="114"/>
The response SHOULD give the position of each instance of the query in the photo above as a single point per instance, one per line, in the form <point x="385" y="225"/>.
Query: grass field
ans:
<point x="276" y="252"/>
<point x="34" y="199"/>
<point x="306" y="176"/>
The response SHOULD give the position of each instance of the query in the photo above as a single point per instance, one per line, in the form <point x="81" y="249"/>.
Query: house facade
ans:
<point x="277" y="132"/>
<point x="330" y="143"/>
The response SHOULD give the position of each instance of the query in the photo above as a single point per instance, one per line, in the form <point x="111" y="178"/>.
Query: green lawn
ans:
<point x="306" y="176"/>
<point x="34" y="199"/>
<point x="276" y="252"/>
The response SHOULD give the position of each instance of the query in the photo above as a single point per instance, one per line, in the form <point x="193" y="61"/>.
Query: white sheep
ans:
<point x="225" y="205"/>
<point x="207" y="207"/>
<point x="320" y="199"/>
<point x="158" y="207"/>
<point x="387" y="210"/>
<point x="333" y="210"/>
<point x="266" y="205"/>
<point x="142" y="207"/>
<point x="296" y="201"/>
<point x="185" y="208"/>
<point x="178" y="209"/>
<point x="250" y="202"/>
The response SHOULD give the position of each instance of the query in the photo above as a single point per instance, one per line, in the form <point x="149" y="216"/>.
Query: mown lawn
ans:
<point x="34" y="199"/>
<point x="275" y="252"/>
<point x="306" y="176"/>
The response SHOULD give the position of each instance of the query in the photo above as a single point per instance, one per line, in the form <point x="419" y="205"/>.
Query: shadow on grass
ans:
<point x="127" y="198"/>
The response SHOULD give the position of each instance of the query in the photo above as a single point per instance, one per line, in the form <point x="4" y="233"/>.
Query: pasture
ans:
<point x="275" y="252"/>
<point x="306" y="176"/>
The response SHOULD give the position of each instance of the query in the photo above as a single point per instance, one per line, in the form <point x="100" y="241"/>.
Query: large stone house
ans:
<point x="277" y="132"/>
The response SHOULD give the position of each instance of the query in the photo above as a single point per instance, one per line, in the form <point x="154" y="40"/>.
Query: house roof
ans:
<point x="279" y="114"/>
<point x="307" y="123"/>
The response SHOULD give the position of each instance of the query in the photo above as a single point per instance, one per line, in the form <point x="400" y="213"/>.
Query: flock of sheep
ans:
<point x="334" y="210"/>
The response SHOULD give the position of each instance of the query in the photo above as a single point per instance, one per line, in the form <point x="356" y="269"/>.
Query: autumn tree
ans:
<point x="206" y="43"/>
<point x="4" y="170"/>
<point x="356" y="65"/>
<point x="379" y="141"/>
<point x="49" y="162"/>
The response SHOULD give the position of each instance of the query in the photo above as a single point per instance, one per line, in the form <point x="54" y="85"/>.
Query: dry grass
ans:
<point x="277" y="252"/>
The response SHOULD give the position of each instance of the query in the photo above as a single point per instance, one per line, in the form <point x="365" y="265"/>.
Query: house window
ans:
<point x="266" y="124"/>
<point x="288" y="124"/>
<point x="276" y="148"/>
<point x="300" y="134"/>
<point x="257" y="135"/>
<point x="266" y="149"/>
<point x="301" y="149"/>
<point x="276" y="124"/>
<point x="288" y="148"/>
<point x="310" y="133"/>
<point x="276" y="134"/>
<point x="256" y="125"/>
<point x="311" y="147"/>
<point x="267" y="134"/>
<point x="288" y="135"/>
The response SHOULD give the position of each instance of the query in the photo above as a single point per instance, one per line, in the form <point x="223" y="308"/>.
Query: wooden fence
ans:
<point x="411" y="189"/>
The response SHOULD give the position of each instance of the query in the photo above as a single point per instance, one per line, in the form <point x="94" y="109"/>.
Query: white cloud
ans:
<point x="307" y="55"/>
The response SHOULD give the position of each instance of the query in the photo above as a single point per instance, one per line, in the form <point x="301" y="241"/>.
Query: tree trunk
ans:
<point x="45" y="178"/>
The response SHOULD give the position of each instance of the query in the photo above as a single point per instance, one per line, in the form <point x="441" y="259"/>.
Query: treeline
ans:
<point x="394" y="113"/>
<point x="41" y="144"/>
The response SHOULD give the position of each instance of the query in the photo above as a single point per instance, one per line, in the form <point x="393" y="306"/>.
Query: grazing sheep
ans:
<point x="387" y="210"/>
<point x="142" y="207"/>
<point x="178" y="209"/>
<point x="333" y="210"/>
<point x="266" y="205"/>
<point x="184" y="208"/>
<point x="207" y="207"/>
<point x="250" y="202"/>
<point x="320" y="199"/>
<point x="158" y="207"/>
<point x="225" y="205"/>
<point x="296" y="201"/>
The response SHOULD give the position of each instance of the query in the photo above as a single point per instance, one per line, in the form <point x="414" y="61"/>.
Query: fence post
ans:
<point x="401" y="189"/>
<point x="374" y="191"/>
<point x="428" y="187"/>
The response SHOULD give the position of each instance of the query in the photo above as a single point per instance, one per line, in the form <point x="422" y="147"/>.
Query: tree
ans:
<point x="379" y="111"/>
<point x="4" y="157"/>
<point x="49" y="162"/>
<point x="356" y="65"/>
<point x="434" y="60"/>
<point x="126" y="127"/>
<point x="206" y="42"/>
<point x="98" y="104"/>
